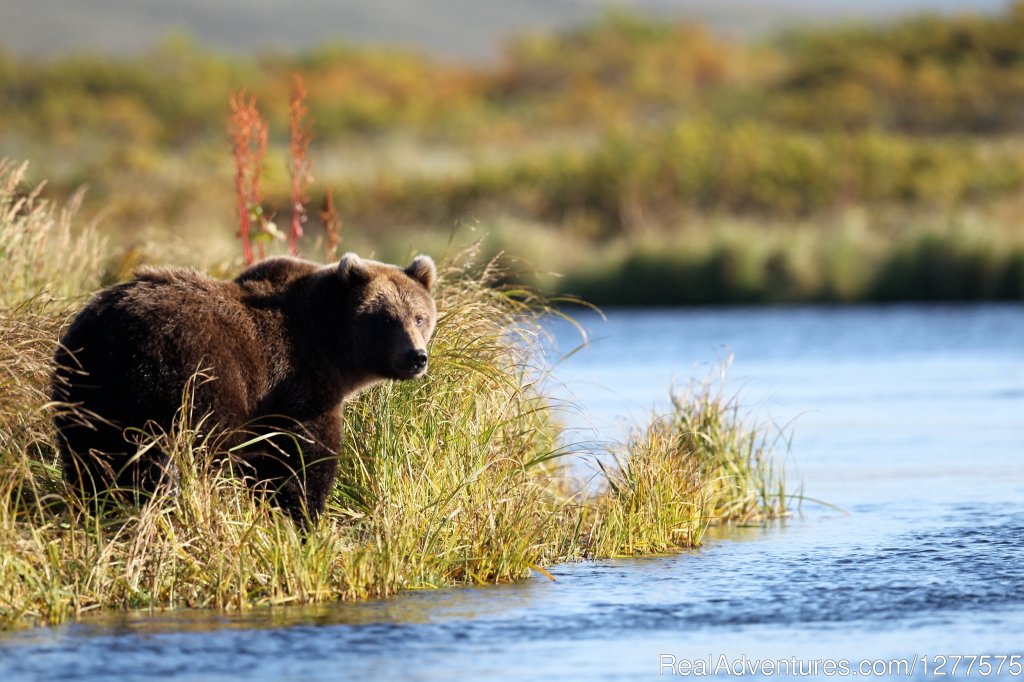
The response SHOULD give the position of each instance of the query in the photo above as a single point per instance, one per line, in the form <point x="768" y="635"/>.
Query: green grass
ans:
<point x="458" y="478"/>
<point x="695" y="466"/>
<point x="856" y="255"/>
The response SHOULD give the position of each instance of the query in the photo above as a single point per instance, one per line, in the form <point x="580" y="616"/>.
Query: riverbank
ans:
<point x="456" y="479"/>
<point x="886" y="401"/>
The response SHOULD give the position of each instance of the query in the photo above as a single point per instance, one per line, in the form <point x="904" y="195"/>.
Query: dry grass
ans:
<point x="40" y="251"/>
<point x="698" y="465"/>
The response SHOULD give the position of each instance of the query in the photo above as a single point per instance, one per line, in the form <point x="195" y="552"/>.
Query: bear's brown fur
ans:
<point x="284" y="344"/>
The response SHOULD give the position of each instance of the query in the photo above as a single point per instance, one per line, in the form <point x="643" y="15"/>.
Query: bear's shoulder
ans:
<point x="275" y="273"/>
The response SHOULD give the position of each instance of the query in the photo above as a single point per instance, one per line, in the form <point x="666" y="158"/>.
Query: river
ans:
<point x="909" y="418"/>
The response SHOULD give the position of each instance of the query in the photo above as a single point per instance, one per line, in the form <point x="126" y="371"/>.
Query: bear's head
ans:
<point x="393" y="314"/>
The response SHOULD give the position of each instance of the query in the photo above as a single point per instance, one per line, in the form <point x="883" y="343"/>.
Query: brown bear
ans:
<point x="277" y="350"/>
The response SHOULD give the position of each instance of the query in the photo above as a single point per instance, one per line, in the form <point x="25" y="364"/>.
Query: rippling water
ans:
<point x="908" y="417"/>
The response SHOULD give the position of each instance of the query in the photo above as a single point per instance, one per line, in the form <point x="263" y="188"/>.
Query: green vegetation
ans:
<point x="683" y="472"/>
<point x="619" y="147"/>
<point x="459" y="478"/>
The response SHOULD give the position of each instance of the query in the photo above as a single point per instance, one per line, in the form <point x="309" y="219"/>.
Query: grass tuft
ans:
<point x="698" y="465"/>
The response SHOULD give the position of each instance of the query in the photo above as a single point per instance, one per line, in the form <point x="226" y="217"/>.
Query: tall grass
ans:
<point x="458" y="478"/>
<point x="853" y="255"/>
<point x="693" y="467"/>
<point x="40" y="252"/>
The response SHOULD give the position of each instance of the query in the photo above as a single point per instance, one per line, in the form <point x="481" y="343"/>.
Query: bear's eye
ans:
<point x="387" y="321"/>
<point x="420" y="320"/>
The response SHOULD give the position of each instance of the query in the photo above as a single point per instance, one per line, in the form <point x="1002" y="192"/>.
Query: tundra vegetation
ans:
<point x="879" y="162"/>
<point x="462" y="477"/>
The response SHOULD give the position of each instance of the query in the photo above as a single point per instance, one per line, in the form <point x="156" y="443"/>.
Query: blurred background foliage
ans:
<point x="630" y="161"/>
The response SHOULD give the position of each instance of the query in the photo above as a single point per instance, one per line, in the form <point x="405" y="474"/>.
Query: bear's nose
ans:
<point x="417" y="359"/>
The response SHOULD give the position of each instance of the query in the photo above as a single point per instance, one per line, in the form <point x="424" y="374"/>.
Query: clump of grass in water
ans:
<point x="449" y="480"/>
<point x="698" y="465"/>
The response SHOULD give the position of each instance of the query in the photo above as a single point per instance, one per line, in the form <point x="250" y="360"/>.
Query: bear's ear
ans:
<point x="351" y="268"/>
<point x="423" y="270"/>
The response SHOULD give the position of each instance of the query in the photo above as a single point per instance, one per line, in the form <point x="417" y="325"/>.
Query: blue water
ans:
<point x="910" y="418"/>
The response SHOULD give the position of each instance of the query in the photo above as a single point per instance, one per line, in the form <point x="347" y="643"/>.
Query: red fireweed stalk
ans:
<point x="255" y="194"/>
<point x="247" y="134"/>
<point x="300" y="167"/>
<point x="332" y="226"/>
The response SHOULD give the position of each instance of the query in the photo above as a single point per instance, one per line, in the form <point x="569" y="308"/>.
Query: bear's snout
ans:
<point x="416" y="361"/>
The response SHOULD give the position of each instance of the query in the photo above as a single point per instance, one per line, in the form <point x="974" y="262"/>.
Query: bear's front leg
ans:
<point x="295" y="464"/>
<point x="304" y="496"/>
